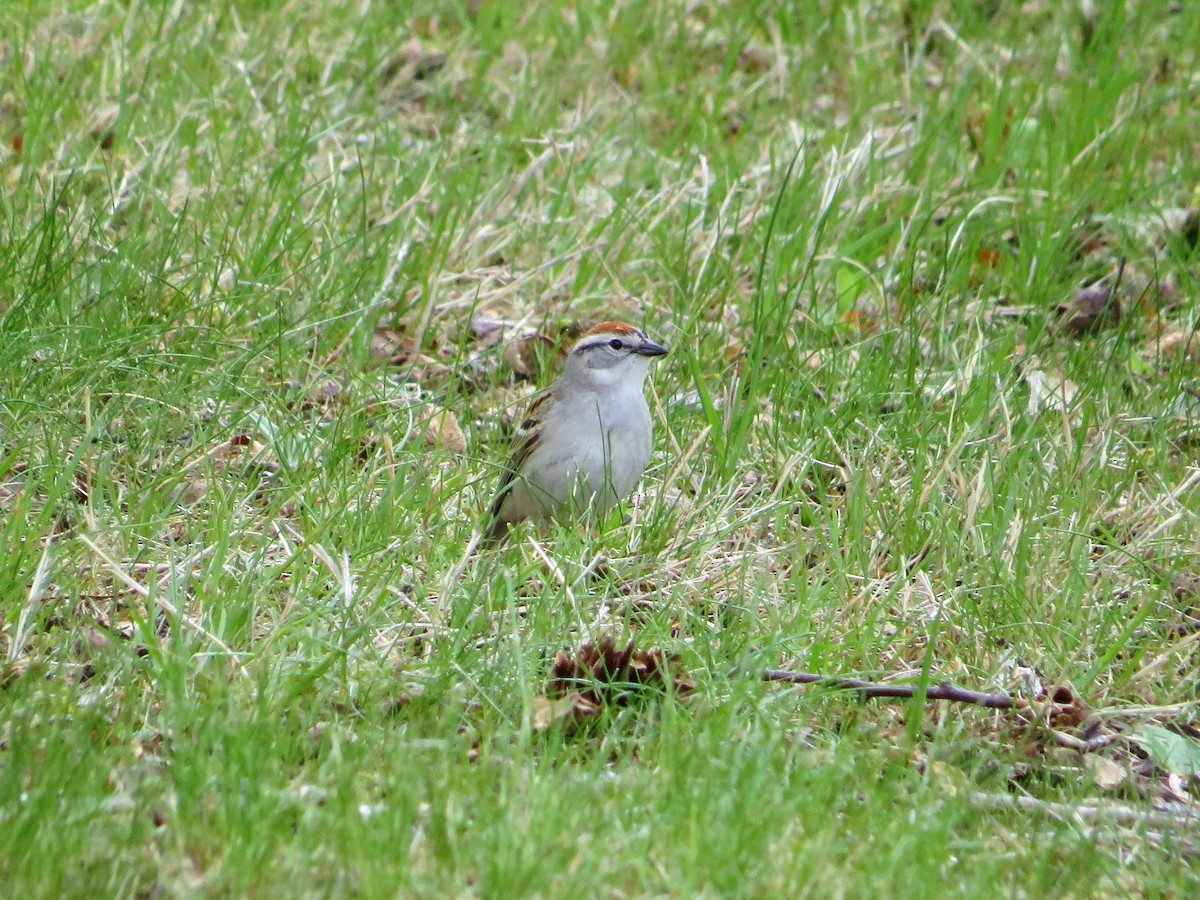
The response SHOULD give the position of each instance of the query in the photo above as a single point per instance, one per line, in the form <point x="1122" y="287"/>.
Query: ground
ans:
<point x="276" y="278"/>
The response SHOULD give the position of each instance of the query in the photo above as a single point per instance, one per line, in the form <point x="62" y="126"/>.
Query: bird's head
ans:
<point x="611" y="355"/>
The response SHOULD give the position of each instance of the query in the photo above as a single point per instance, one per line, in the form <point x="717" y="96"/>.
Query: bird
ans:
<point x="585" y="441"/>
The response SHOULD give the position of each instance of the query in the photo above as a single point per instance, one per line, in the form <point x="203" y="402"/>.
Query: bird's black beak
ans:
<point x="649" y="348"/>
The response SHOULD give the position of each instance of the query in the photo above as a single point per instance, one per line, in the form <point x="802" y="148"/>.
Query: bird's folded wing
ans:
<point x="524" y="442"/>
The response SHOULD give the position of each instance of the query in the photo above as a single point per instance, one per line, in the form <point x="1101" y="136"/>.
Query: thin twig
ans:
<point x="1044" y="711"/>
<point x="1083" y="745"/>
<point x="1110" y="813"/>
<point x="1188" y="626"/>
<point x="868" y="689"/>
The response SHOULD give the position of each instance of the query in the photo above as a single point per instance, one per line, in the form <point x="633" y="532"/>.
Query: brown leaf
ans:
<point x="387" y="345"/>
<point x="13" y="670"/>
<point x="242" y="448"/>
<point x="443" y="431"/>
<point x="241" y="455"/>
<point x="93" y="639"/>
<point x="529" y="356"/>
<point x="1091" y="310"/>
<point x="1186" y="589"/>
<point x="1177" y="342"/>
<point x="1048" y="391"/>
<point x="571" y="710"/>
<point x="396" y="349"/>
<point x="412" y="62"/>
<point x="1173" y="789"/>
<point x="755" y="59"/>
<point x="488" y="332"/>
<point x="1066" y="708"/>
<point x="1107" y="774"/>
<point x="325" y="393"/>
<point x="192" y="491"/>
<point x="427" y="370"/>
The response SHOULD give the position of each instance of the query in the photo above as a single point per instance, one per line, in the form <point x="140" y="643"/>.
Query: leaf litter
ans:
<point x="605" y="675"/>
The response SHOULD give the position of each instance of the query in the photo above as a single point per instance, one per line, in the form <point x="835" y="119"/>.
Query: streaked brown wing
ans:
<point x="523" y="443"/>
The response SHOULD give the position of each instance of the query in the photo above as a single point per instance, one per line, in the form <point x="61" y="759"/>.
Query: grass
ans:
<point x="250" y="250"/>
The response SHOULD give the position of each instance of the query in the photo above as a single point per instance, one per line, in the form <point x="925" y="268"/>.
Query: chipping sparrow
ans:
<point x="586" y="441"/>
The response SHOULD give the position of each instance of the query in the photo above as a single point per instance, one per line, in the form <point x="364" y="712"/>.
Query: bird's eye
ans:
<point x="616" y="344"/>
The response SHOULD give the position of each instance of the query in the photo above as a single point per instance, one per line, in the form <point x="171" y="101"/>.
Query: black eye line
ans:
<point x="614" y="343"/>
